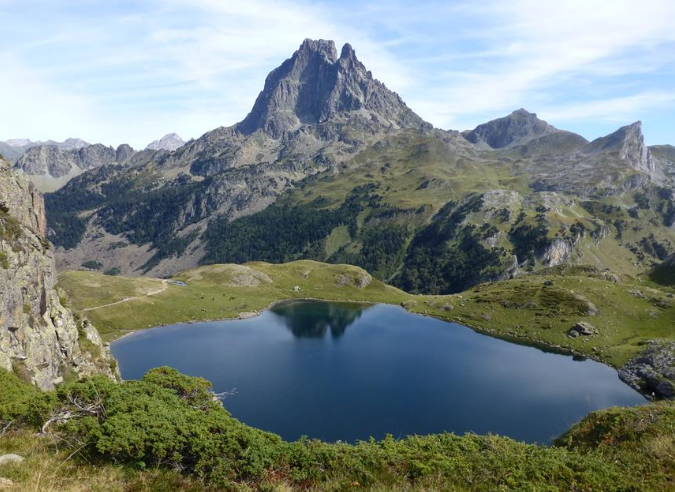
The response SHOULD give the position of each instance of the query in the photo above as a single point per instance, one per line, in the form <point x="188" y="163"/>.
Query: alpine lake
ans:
<point x="348" y="372"/>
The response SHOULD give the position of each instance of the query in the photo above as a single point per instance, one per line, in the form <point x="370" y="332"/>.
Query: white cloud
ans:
<point x="618" y="109"/>
<point x="543" y="43"/>
<point x="132" y="74"/>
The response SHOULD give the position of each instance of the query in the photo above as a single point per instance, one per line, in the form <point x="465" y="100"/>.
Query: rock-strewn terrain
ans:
<point x="39" y="337"/>
<point x="653" y="371"/>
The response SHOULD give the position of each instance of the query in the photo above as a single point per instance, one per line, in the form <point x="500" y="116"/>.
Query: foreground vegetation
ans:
<point x="538" y="308"/>
<point x="167" y="432"/>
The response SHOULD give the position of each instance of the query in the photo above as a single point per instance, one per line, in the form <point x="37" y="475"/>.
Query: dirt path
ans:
<point x="165" y="284"/>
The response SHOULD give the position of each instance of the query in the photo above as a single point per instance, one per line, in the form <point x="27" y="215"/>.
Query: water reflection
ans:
<point x="395" y="372"/>
<point x="308" y="319"/>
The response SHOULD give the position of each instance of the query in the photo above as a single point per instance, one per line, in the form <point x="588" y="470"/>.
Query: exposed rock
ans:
<point x="39" y="337"/>
<point x="557" y="253"/>
<point x="6" y="459"/>
<point x="629" y="143"/>
<point x="50" y="167"/>
<point x="516" y="129"/>
<point x="314" y="85"/>
<point x="13" y="149"/>
<point x="247" y="315"/>
<point x="6" y="483"/>
<point x="168" y="142"/>
<point x="582" y="328"/>
<point x="653" y="371"/>
<point x="360" y="279"/>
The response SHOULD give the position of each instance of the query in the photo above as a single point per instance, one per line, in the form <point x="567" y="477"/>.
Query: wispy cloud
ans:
<point x="132" y="71"/>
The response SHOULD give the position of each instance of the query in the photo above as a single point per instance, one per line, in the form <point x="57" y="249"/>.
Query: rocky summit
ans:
<point x="40" y="339"/>
<point x="169" y="142"/>
<point x="314" y="86"/>
<point x="518" y="128"/>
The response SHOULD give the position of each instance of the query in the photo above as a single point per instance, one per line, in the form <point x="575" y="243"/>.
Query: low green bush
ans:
<point x="168" y="421"/>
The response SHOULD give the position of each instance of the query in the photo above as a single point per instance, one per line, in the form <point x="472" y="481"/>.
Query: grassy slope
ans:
<point x="523" y="309"/>
<point x="415" y="171"/>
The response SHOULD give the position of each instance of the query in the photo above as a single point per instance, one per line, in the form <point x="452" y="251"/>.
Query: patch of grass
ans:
<point x="4" y="260"/>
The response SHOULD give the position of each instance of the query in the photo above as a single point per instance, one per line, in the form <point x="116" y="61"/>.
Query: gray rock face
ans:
<point x="629" y="143"/>
<point x="51" y="167"/>
<point x="582" y="328"/>
<point x="314" y="85"/>
<point x="39" y="337"/>
<point x="51" y="160"/>
<point x="518" y="128"/>
<point x="168" y="142"/>
<point x="13" y="149"/>
<point x="653" y="371"/>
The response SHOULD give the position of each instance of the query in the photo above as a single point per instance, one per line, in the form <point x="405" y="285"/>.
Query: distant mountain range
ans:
<point x="50" y="164"/>
<point x="332" y="165"/>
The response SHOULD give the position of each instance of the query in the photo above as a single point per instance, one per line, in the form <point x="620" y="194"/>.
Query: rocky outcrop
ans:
<point x="582" y="328"/>
<point x="168" y="142"/>
<point x="629" y="143"/>
<point x="653" y="371"/>
<point x="557" y="253"/>
<point x="518" y="128"/>
<point x="39" y="337"/>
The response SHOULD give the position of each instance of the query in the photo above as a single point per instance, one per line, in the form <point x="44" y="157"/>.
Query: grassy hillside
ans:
<point x="166" y="433"/>
<point x="537" y="308"/>
<point x="418" y="214"/>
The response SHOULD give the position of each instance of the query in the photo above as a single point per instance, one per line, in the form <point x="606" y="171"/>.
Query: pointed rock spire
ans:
<point x="315" y="85"/>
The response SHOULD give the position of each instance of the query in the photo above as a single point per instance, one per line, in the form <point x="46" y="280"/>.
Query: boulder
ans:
<point x="6" y="459"/>
<point x="582" y="328"/>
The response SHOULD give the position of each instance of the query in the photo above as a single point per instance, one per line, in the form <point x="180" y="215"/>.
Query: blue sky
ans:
<point x="132" y="71"/>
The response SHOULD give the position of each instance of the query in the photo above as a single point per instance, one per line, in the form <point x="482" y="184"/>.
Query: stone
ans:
<point x="5" y="483"/>
<point x="653" y="371"/>
<point x="6" y="459"/>
<point x="296" y="288"/>
<point x="582" y="328"/>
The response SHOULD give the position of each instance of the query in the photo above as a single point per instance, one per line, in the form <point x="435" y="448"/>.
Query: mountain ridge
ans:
<point x="323" y="118"/>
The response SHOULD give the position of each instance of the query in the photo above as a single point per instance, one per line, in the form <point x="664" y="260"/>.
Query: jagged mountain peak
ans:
<point x="315" y="85"/>
<point x="518" y="128"/>
<point x="320" y="47"/>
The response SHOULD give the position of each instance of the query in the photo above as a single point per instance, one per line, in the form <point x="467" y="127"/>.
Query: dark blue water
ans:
<point x="348" y="372"/>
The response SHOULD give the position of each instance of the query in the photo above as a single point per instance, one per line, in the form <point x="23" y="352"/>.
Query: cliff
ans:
<point x="40" y="339"/>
